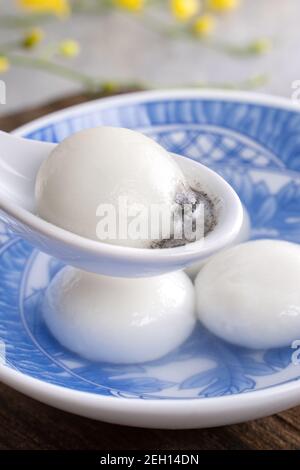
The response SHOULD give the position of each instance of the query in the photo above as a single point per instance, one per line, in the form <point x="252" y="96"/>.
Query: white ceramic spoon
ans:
<point x="19" y="162"/>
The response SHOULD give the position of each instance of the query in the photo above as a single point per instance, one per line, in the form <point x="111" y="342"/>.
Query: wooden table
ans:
<point x="28" y="424"/>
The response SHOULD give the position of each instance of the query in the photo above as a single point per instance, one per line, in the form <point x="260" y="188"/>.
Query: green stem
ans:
<point x="250" y="83"/>
<point x="56" y="69"/>
<point x="96" y="86"/>
<point x="253" y="48"/>
<point x="24" y="21"/>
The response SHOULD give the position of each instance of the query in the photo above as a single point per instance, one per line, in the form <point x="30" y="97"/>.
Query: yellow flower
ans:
<point x="131" y="5"/>
<point x="223" y="5"/>
<point x="4" y="64"/>
<point x="184" y="10"/>
<point x="260" y="46"/>
<point x="110" y="87"/>
<point x="58" y="7"/>
<point x="69" y="48"/>
<point x="204" y="25"/>
<point x="33" y="38"/>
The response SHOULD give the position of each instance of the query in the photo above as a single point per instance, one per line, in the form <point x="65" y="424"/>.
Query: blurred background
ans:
<point x="54" y="48"/>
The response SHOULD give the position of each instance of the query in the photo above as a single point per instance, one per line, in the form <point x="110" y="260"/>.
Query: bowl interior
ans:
<point x="255" y="146"/>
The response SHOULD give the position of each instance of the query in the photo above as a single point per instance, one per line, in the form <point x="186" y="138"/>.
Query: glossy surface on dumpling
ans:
<point x="249" y="295"/>
<point x="97" y="167"/>
<point x="119" y="320"/>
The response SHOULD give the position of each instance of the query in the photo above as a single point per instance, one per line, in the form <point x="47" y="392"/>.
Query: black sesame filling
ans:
<point x="198" y="201"/>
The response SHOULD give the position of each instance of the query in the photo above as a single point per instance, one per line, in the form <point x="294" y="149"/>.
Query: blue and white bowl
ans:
<point x="251" y="140"/>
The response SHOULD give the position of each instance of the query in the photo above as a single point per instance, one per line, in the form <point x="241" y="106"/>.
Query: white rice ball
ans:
<point x="98" y="167"/>
<point x="119" y="320"/>
<point x="249" y="295"/>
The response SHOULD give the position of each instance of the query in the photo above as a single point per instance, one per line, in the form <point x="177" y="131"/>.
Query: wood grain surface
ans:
<point x="28" y="424"/>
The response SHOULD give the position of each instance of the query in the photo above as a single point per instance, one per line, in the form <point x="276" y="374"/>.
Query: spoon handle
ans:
<point x="20" y="160"/>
